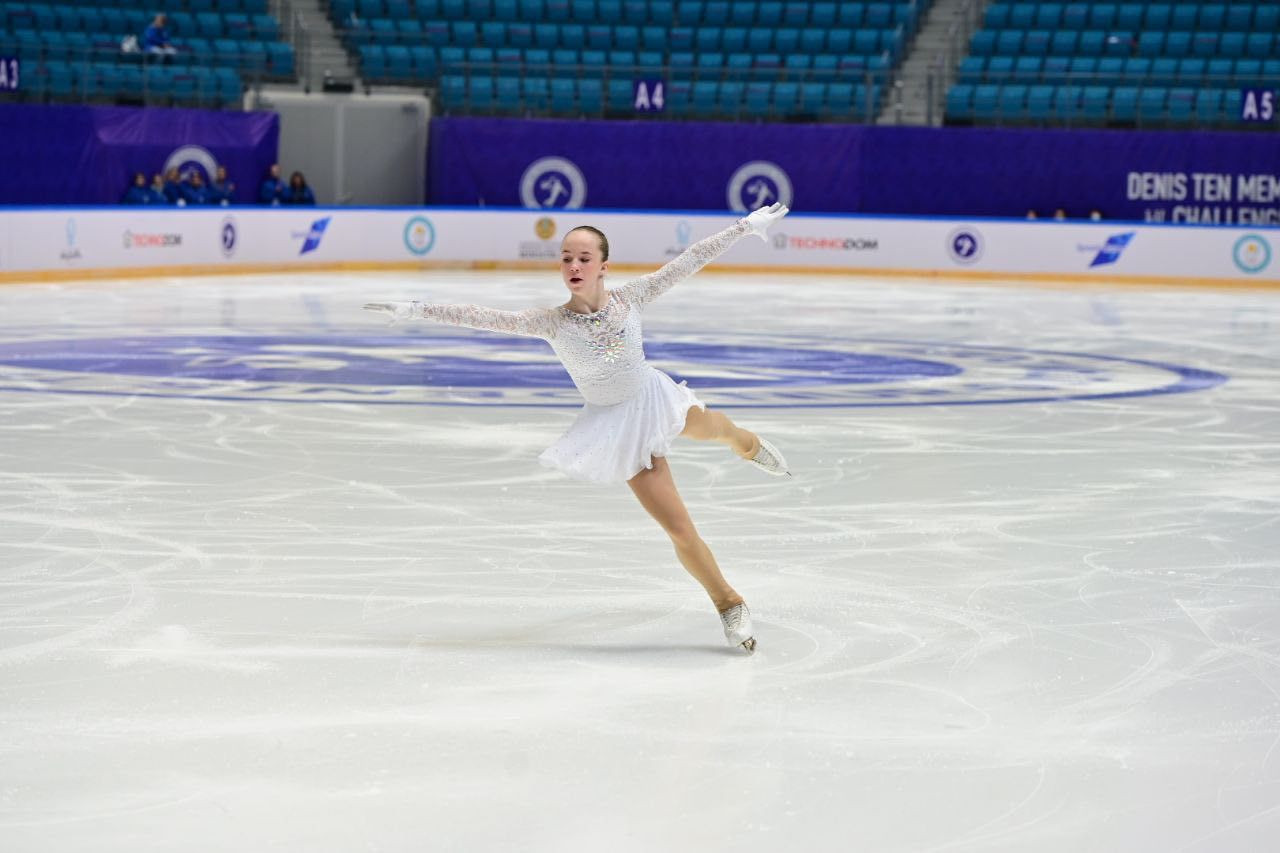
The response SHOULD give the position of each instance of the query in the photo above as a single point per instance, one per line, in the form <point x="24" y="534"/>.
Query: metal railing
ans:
<point x="942" y="67"/>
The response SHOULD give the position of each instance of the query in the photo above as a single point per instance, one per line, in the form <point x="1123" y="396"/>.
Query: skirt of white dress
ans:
<point x="611" y="444"/>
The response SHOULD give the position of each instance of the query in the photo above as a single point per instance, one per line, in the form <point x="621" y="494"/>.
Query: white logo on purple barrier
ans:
<point x="758" y="184"/>
<point x="188" y="157"/>
<point x="553" y="182"/>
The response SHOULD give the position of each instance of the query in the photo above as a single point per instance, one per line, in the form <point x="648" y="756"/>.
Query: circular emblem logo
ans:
<point x="187" y="158"/>
<point x="759" y="371"/>
<point x="1252" y="253"/>
<point x="964" y="245"/>
<point x="419" y="235"/>
<point x="545" y="228"/>
<point x="553" y="182"/>
<point x="228" y="236"/>
<point x="758" y="184"/>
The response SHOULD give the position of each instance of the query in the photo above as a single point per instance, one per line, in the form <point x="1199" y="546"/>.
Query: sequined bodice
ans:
<point x="602" y="351"/>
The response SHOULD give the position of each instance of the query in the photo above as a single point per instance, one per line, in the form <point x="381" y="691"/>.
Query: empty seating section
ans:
<point x="1118" y="64"/>
<point x="77" y="51"/>
<point x="718" y="59"/>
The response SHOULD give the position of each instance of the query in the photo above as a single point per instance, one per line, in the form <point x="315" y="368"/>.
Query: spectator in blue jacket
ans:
<point x="155" y="40"/>
<point x="155" y="192"/>
<point x="137" y="193"/>
<point x="173" y="187"/>
<point x="221" y="191"/>
<point x="194" y="192"/>
<point x="272" y="190"/>
<point x="298" y="191"/>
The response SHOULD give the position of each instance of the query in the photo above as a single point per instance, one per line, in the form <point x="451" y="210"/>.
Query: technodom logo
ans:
<point x="483" y="370"/>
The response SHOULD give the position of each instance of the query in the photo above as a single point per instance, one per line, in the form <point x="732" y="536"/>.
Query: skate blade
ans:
<point x="750" y="645"/>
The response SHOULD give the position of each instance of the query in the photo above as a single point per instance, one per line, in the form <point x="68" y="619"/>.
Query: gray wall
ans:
<point x="354" y="149"/>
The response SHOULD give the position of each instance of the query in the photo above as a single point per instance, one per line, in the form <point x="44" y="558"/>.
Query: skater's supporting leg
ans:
<point x="656" y="490"/>
<point x="710" y="425"/>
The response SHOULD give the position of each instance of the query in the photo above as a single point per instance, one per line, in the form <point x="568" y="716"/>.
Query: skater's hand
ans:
<point x="760" y="220"/>
<point x="397" y="310"/>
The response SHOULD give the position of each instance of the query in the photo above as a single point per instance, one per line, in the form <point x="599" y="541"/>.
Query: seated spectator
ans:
<point x="137" y="193"/>
<point x="155" y="39"/>
<point x="156" y="190"/>
<point x="1095" y="215"/>
<point x="173" y="187"/>
<point x="298" y="191"/>
<point x="272" y="190"/>
<point x="221" y="191"/>
<point x="194" y="191"/>
<point x="1060" y="215"/>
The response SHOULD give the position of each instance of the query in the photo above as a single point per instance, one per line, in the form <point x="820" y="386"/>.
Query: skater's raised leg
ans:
<point x="710" y="425"/>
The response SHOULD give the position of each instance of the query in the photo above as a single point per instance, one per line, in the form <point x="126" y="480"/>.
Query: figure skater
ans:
<point x="633" y="411"/>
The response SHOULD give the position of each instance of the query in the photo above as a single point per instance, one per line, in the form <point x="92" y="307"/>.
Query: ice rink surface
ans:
<point x="277" y="577"/>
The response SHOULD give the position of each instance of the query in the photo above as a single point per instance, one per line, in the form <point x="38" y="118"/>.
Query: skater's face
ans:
<point x="582" y="264"/>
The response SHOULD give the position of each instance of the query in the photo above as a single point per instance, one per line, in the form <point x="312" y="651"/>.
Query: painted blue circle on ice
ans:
<point x="477" y="369"/>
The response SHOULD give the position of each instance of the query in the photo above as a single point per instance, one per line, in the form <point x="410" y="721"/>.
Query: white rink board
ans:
<point x="70" y="241"/>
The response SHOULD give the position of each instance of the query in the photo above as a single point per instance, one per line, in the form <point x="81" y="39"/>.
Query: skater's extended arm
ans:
<point x="647" y="288"/>
<point x="533" y="322"/>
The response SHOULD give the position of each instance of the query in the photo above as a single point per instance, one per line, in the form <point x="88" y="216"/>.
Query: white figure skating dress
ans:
<point x="633" y="411"/>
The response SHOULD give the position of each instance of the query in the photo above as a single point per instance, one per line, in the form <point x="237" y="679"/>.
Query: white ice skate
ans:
<point x="769" y="460"/>
<point x="737" y="627"/>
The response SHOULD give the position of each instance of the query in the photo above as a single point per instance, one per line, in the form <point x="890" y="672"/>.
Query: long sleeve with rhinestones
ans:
<point x="532" y="322"/>
<point x="649" y="287"/>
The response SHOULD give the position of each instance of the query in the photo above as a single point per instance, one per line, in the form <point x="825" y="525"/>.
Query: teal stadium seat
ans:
<point x="1022" y="16"/>
<point x="1191" y="71"/>
<point x="959" y="103"/>
<point x="1000" y="69"/>
<point x="1057" y="70"/>
<point x="1102" y="16"/>
<point x="564" y="96"/>
<point x="786" y="97"/>
<point x="591" y="97"/>
<point x="1181" y="106"/>
<point x="1013" y="102"/>
<point x="1039" y="107"/>
<point x="1129" y="16"/>
<point x="1164" y="71"/>
<point x="1066" y="103"/>
<point x="1184" y="17"/>
<point x="1208" y="106"/>
<point x="986" y="101"/>
<point x="1094" y="103"/>
<point x="1152" y="104"/>
<point x="501" y="94"/>
<point x="1124" y="103"/>
<point x="1075" y="17"/>
<point x="971" y="69"/>
<point x="1048" y="16"/>
<point x="1158" y="17"/>
<point x="839" y="103"/>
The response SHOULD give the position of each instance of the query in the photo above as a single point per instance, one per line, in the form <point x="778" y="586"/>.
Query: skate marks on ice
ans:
<point x="345" y="626"/>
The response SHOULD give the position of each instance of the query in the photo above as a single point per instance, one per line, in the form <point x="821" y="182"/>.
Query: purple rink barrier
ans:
<point x="88" y="155"/>
<point x="1154" y="176"/>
